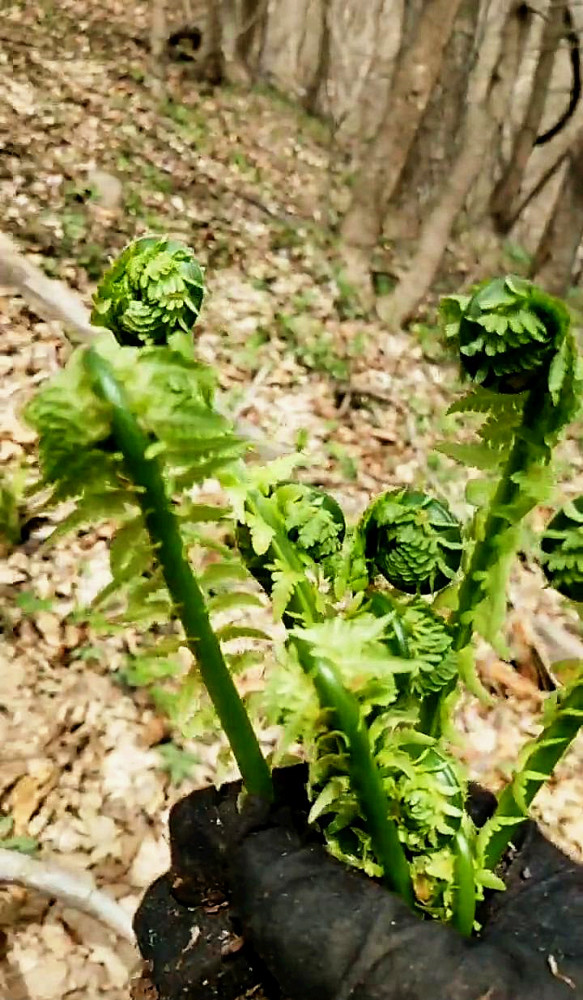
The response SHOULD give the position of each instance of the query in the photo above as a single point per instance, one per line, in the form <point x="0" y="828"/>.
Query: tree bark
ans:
<point x="480" y="127"/>
<point x="507" y="190"/>
<point x="415" y="76"/>
<point x="437" y="144"/>
<point x="158" y="39"/>
<point x="555" y="258"/>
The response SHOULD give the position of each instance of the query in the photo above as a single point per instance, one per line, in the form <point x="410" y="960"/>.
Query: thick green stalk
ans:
<point x="507" y="508"/>
<point x="333" y="696"/>
<point x="464" y="903"/>
<point x="187" y="598"/>
<point x="541" y="759"/>
<point x="364" y="774"/>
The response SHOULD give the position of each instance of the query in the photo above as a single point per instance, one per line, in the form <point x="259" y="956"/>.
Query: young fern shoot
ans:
<point x="364" y="678"/>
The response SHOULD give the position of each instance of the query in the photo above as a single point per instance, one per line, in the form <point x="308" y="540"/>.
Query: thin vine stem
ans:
<point x="541" y="758"/>
<point x="187" y="597"/>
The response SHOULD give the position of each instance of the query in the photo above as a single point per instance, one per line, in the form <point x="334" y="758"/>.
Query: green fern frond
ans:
<point x="312" y="522"/>
<point x="561" y="553"/>
<point x="414" y="631"/>
<point x="153" y="288"/>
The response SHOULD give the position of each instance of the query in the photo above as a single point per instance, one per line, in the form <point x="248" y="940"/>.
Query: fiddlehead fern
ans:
<point x="154" y="288"/>
<point x="562" y="550"/>
<point x="510" y="353"/>
<point x="508" y="333"/>
<point x="409" y="538"/>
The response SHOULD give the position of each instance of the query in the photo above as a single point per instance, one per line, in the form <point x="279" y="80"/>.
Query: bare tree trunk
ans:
<point x="555" y="258"/>
<point x="479" y="130"/>
<point x="437" y="143"/>
<point x="506" y="192"/>
<point x="251" y="15"/>
<point x="158" y="39"/>
<point x="241" y="21"/>
<point x="415" y="76"/>
<point x="212" y="68"/>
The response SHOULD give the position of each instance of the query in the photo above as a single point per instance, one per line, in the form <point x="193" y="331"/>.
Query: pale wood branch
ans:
<point x="73" y="889"/>
<point x="50" y="299"/>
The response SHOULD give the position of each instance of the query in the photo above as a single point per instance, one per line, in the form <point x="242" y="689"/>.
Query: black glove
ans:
<point x="254" y="900"/>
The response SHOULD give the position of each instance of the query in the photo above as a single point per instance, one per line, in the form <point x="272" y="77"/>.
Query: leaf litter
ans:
<point x="242" y="178"/>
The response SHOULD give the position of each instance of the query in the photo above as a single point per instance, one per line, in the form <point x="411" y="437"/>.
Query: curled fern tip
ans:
<point x="412" y="540"/>
<point x="508" y="332"/>
<point x="153" y="289"/>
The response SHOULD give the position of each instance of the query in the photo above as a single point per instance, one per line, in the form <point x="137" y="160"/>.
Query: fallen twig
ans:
<point x="71" y="888"/>
<point x="49" y="298"/>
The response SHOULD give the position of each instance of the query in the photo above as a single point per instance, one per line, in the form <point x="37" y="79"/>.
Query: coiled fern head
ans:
<point x="412" y="540"/>
<point x="414" y="631"/>
<point x="313" y="522"/>
<point x="508" y="333"/>
<point x="562" y="550"/>
<point x="153" y="289"/>
<point x="426" y="793"/>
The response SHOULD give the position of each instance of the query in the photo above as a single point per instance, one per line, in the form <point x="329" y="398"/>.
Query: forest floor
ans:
<point x="88" y="765"/>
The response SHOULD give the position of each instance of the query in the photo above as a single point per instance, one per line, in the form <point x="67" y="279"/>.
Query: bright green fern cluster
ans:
<point x="154" y="288"/>
<point x="129" y="433"/>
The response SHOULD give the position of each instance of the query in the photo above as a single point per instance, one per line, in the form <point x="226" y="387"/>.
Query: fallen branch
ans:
<point x="70" y="888"/>
<point x="50" y="299"/>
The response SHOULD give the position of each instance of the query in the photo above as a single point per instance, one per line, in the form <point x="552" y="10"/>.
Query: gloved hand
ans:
<point x="254" y="899"/>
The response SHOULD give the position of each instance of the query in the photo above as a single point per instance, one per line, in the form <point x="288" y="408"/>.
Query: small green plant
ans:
<point x="379" y="616"/>
<point x="22" y="844"/>
<point x="177" y="761"/>
<point x="12" y="495"/>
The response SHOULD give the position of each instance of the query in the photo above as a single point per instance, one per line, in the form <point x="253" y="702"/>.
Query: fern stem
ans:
<point x="464" y="902"/>
<point x="541" y="759"/>
<point x="508" y="506"/>
<point x="333" y="696"/>
<point x="144" y="471"/>
<point x="364" y="773"/>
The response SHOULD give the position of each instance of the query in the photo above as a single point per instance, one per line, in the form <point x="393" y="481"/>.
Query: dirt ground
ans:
<point x="245" y="179"/>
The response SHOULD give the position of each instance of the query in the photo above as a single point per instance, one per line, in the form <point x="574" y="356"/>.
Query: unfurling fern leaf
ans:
<point x="411" y="539"/>
<point x="313" y="522"/>
<point x="562" y="550"/>
<point x="508" y="332"/>
<point x="154" y="288"/>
